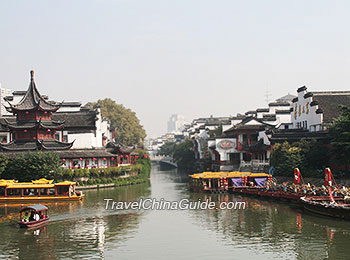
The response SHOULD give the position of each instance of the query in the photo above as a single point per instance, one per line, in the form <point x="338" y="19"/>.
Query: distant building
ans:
<point x="4" y="93"/>
<point x="176" y="123"/>
<point x="311" y="114"/>
<point x="315" y="110"/>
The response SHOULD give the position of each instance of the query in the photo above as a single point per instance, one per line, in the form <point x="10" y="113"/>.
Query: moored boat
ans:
<point x="322" y="205"/>
<point x="227" y="181"/>
<point x="336" y="203"/>
<point x="33" y="216"/>
<point x="38" y="190"/>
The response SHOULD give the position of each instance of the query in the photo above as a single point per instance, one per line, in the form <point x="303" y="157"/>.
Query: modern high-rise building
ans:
<point x="176" y="123"/>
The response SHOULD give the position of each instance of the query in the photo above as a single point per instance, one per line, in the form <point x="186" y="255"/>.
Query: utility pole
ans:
<point x="267" y="95"/>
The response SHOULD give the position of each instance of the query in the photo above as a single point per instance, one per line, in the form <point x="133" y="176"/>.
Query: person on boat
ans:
<point x="26" y="217"/>
<point x="36" y="217"/>
<point x="31" y="218"/>
<point x="42" y="216"/>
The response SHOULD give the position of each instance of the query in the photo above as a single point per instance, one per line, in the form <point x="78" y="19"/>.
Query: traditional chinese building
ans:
<point x="311" y="114"/>
<point x="33" y="129"/>
<point x="36" y="125"/>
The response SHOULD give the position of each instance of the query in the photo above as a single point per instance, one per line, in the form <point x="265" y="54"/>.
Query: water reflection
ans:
<point x="264" y="230"/>
<point x="268" y="226"/>
<point x="79" y="229"/>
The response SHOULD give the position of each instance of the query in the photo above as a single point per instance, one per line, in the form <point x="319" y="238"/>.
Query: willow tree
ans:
<point x="127" y="127"/>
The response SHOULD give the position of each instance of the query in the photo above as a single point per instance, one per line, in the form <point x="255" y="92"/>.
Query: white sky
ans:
<point x="196" y="58"/>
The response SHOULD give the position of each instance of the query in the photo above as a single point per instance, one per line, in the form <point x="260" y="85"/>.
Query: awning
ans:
<point x="260" y="181"/>
<point x="237" y="182"/>
<point x="38" y="207"/>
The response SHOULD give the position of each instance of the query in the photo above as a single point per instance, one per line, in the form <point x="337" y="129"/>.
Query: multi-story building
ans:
<point x="244" y="144"/>
<point x="311" y="114"/>
<point x="176" y="123"/>
<point x="79" y="135"/>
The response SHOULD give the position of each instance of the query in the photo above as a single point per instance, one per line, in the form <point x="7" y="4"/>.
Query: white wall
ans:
<point x="304" y="112"/>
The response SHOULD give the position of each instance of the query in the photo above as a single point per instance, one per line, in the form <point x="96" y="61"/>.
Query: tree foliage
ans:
<point x="32" y="166"/>
<point x="309" y="156"/>
<point x="167" y="149"/>
<point x="285" y="158"/>
<point x="3" y="163"/>
<point x="184" y="155"/>
<point x="339" y="133"/>
<point x="128" y="130"/>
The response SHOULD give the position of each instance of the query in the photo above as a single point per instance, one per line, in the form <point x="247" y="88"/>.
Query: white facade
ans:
<point x="305" y="114"/>
<point x="4" y="93"/>
<point x="96" y="139"/>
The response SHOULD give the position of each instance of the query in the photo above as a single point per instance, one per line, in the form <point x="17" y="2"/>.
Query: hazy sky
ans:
<point x="196" y="58"/>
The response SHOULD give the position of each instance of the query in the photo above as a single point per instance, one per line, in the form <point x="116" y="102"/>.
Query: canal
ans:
<point x="264" y="230"/>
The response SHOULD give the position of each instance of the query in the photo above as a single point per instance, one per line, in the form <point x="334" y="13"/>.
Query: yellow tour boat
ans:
<point x="38" y="190"/>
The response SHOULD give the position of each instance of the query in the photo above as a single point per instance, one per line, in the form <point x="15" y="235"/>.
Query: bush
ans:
<point x="33" y="165"/>
<point x="308" y="156"/>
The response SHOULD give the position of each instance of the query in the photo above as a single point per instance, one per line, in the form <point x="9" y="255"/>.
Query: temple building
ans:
<point x="77" y="134"/>
<point x="34" y="128"/>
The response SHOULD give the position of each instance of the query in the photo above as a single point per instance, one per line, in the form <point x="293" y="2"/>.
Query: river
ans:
<point x="264" y="230"/>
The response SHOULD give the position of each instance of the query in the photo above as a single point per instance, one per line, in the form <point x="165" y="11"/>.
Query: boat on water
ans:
<point x="33" y="216"/>
<point x="227" y="181"/>
<point x="257" y="184"/>
<point x="336" y="203"/>
<point x="38" y="190"/>
<point x="323" y="205"/>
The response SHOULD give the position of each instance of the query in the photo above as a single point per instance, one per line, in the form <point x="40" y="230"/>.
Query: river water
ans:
<point x="85" y="230"/>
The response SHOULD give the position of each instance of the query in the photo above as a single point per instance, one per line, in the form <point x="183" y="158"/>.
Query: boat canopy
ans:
<point x="217" y="175"/>
<point x="37" y="184"/>
<point x="38" y="207"/>
<point x="66" y="183"/>
<point x="42" y="181"/>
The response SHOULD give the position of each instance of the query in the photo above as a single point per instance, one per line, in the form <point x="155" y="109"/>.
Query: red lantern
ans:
<point x="80" y="159"/>
<point x="112" y="158"/>
<point x="136" y="156"/>
<point x="94" y="159"/>
<point x="104" y="159"/>
<point x="146" y="156"/>
<point x="27" y="112"/>
<point x="126" y="156"/>
<point x="63" y="160"/>
<point x="121" y="156"/>
<point x="48" y="130"/>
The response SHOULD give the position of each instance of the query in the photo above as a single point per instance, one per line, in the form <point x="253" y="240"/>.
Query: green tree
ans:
<point x="307" y="155"/>
<point x="167" y="148"/>
<point x="3" y="163"/>
<point x="184" y="155"/>
<point x="339" y="133"/>
<point x="285" y="158"/>
<point x="128" y="130"/>
<point x="33" y="165"/>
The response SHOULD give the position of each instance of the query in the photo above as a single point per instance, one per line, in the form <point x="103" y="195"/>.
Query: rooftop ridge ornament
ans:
<point x="32" y="75"/>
